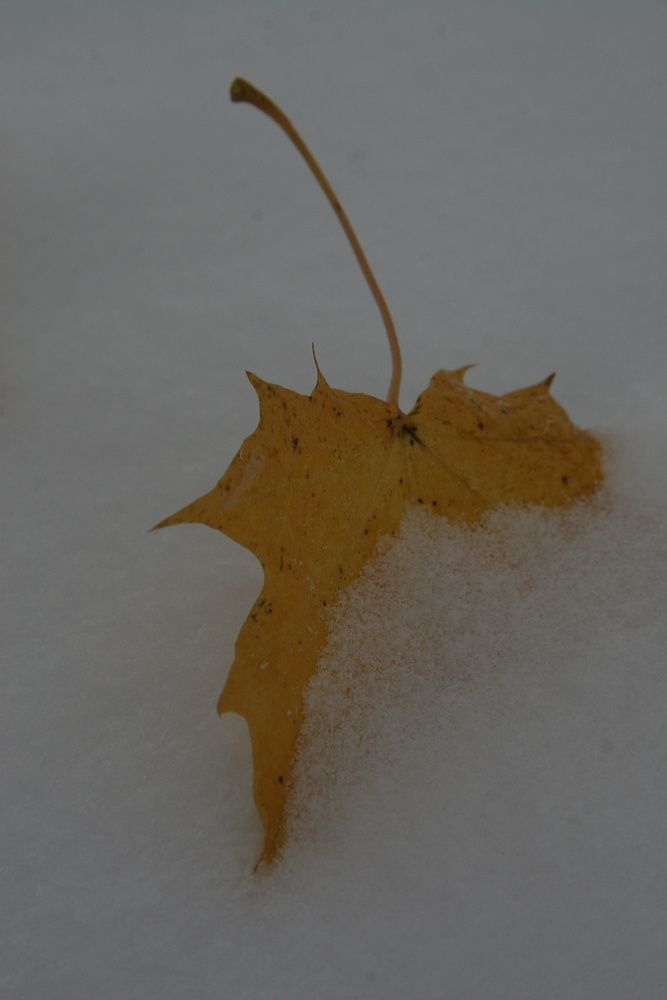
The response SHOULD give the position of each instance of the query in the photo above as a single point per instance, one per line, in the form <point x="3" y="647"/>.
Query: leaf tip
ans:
<point x="320" y="380"/>
<point x="530" y="391"/>
<point x="255" y="381"/>
<point x="164" y="523"/>
<point x="460" y="373"/>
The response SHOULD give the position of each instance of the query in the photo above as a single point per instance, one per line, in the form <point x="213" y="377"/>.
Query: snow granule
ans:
<point x="504" y="665"/>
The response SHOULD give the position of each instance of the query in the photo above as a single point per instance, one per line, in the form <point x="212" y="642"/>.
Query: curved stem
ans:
<point x="241" y="90"/>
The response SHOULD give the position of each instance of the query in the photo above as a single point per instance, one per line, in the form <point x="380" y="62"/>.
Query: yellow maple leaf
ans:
<point x="324" y="477"/>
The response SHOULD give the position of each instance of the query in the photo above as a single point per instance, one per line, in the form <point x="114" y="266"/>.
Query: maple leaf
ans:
<point x="324" y="477"/>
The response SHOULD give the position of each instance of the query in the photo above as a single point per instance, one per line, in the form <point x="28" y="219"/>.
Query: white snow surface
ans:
<point x="480" y="802"/>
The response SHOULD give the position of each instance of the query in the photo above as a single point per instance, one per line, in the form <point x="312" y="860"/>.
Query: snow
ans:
<point x="497" y="826"/>
<point x="486" y="743"/>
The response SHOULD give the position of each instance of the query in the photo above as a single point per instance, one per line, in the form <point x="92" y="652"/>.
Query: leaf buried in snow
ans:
<point x="325" y="477"/>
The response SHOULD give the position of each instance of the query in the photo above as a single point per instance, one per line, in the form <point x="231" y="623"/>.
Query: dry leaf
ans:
<point x="321" y="480"/>
<point x="324" y="478"/>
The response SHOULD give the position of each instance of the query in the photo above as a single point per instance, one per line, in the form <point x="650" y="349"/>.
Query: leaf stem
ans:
<point x="241" y="90"/>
